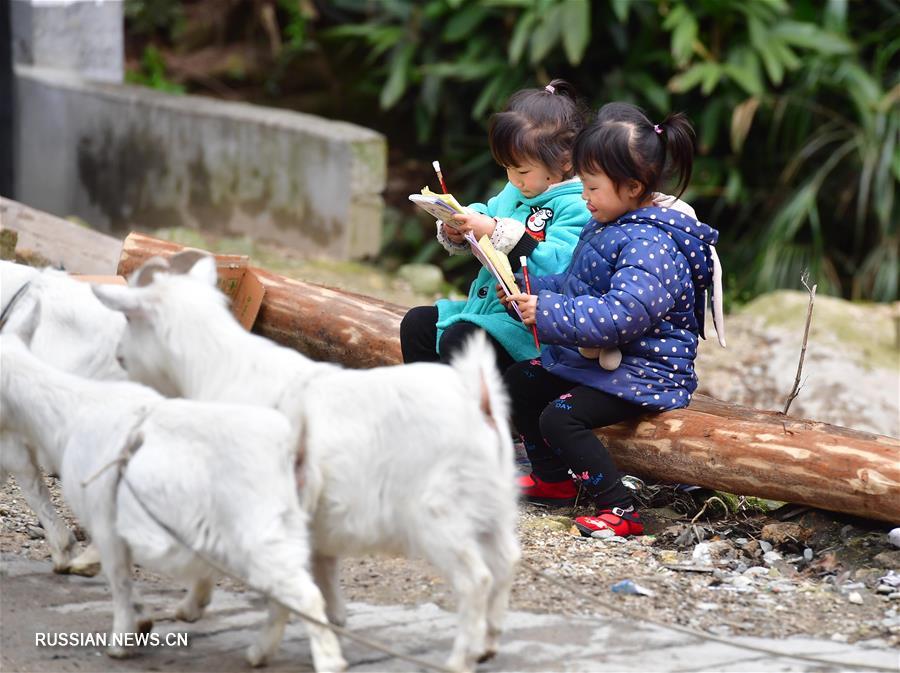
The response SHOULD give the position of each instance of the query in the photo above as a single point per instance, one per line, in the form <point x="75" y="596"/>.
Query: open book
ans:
<point x="443" y="207"/>
<point x="440" y="206"/>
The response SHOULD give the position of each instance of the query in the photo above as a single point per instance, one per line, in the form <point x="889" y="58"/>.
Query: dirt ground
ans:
<point x="834" y="592"/>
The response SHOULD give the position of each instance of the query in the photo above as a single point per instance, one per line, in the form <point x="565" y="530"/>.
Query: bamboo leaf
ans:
<point x="811" y="37"/>
<point x="489" y="96"/>
<point x="461" y="70"/>
<point x="398" y="77"/>
<point x="520" y="36"/>
<point x="693" y="76"/>
<point x="683" y="37"/>
<point x="620" y="9"/>
<point x="576" y="28"/>
<point x="743" y="68"/>
<point x="464" y="22"/>
<point x="741" y="120"/>
<point x="545" y="35"/>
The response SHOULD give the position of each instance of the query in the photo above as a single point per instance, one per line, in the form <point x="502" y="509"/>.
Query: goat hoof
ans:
<point x="487" y="656"/>
<point x="256" y="657"/>
<point x="87" y="570"/>
<point x="117" y="652"/>
<point x="188" y="613"/>
<point x="337" y="665"/>
<point x="145" y="626"/>
<point x="338" y="619"/>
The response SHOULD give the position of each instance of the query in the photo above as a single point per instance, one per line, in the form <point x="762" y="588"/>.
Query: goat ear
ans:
<point x="145" y="272"/>
<point x="119" y="298"/>
<point x="205" y="270"/>
<point x="182" y="262"/>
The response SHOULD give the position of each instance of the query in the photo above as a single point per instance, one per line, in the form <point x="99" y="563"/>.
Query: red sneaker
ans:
<point x="609" y="522"/>
<point x="535" y="489"/>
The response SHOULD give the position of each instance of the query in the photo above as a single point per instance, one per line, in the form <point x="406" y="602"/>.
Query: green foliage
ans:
<point x="796" y="107"/>
<point x="147" y="17"/>
<point x="153" y="72"/>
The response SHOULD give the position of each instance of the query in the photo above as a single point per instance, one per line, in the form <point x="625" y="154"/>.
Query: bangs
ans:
<point x="513" y="140"/>
<point x="605" y="149"/>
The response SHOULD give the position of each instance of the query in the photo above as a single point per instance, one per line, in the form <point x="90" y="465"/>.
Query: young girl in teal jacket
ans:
<point x="538" y="214"/>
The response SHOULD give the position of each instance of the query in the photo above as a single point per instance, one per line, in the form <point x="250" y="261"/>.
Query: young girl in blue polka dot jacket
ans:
<point x="636" y="283"/>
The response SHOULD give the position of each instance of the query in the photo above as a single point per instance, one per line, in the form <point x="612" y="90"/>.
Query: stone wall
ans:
<point x="125" y="157"/>
<point x="84" y="37"/>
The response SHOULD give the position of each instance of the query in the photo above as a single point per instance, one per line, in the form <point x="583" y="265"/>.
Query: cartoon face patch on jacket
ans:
<point x="537" y="222"/>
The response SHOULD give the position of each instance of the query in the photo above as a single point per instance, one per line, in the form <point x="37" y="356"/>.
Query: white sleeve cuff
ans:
<point x="450" y="246"/>
<point x="507" y="233"/>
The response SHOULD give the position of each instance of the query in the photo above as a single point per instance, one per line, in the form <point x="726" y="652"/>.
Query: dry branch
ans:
<point x="812" y="298"/>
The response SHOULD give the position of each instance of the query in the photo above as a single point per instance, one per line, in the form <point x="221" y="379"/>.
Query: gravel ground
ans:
<point x="735" y="590"/>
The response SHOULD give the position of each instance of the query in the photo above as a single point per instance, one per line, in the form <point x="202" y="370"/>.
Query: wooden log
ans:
<point x="711" y="443"/>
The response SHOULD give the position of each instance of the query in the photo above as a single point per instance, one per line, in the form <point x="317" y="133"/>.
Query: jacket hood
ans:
<point x="695" y="240"/>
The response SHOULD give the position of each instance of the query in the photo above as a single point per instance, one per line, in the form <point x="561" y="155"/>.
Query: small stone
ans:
<point x="888" y="559"/>
<point x="839" y="637"/>
<point x="855" y="598"/>
<point x="884" y="589"/>
<point x="707" y="607"/>
<point x="808" y="554"/>
<point x="668" y="556"/>
<point x="424" y="278"/>
<point x="35" y="533"/>
<point x="741" y="582"/>
<point x="765" y="546"/>
<point x="701" y="555"/>
<point x="771" y="557"/>
<point x="785" y="531"/>
<point x="894" y="537"/>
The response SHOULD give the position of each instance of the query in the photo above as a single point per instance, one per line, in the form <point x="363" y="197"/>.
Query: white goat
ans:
<point x="66" y="326"/>
<point x="220" y="478"/>
<point x="413" y="460"/>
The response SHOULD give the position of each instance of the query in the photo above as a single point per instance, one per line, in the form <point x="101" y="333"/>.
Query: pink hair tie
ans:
<point x="657" y="129"/>
<point x="550" y="88"/>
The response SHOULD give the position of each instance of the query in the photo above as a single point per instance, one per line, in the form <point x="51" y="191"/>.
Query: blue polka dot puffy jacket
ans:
<point x="637" y="284"/>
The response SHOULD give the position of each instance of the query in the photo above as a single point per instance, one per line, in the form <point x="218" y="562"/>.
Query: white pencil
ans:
<point x="437" y="169"/>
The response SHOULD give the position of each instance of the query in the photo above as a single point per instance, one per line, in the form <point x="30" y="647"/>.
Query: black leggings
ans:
<point x="556" y="419"/>
<point x="418" y="338"/>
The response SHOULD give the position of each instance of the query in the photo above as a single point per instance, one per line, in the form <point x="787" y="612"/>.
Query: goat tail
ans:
<point x="476" y="366"/>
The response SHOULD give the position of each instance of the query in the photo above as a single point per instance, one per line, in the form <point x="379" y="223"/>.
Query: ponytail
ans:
<point x="678" y="135"/>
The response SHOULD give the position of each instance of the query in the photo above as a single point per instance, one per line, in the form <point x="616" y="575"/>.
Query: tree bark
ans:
<point x="711" y="443"/>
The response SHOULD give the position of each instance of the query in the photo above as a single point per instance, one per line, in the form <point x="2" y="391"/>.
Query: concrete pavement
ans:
<point x="33" y="600"/>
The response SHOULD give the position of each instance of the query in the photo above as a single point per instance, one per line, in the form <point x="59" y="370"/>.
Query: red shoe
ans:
<point x="609" y="522"/>
<point x="535" y="489"/>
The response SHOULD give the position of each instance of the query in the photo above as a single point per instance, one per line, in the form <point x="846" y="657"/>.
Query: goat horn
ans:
<point x="144" y="275"/>
<point x="184" y="261"/>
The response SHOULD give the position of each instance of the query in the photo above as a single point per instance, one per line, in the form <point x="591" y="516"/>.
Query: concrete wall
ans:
<point x="84" y="36"/>
<point x="125" y="157"/>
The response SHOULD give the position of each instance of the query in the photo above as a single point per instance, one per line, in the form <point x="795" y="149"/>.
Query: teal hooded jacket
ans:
<point x="558" y="216"/>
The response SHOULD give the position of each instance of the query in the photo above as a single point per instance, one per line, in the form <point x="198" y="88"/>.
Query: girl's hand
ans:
<point x="480" y="225"/>
<point x="527" y="304"/>
<point x="453" y="234"/>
